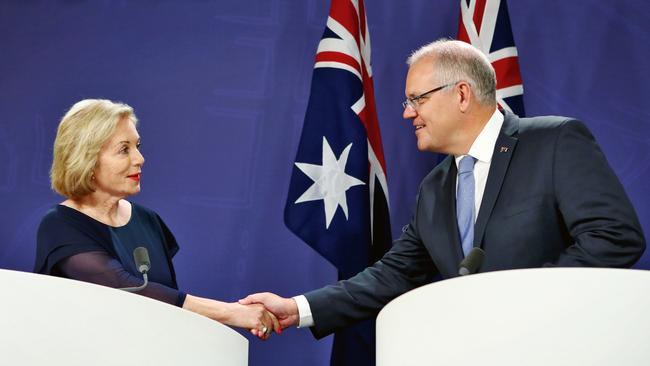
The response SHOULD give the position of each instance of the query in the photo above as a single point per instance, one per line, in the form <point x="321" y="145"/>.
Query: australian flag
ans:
<point x="485" y="24"/>
<point x="338" y="196"/>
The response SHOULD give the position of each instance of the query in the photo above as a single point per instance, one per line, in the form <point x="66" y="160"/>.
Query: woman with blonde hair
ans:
<point x="90" y="236"/>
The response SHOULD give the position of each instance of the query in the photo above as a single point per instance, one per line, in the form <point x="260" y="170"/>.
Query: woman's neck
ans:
<point x="112" y="211"/>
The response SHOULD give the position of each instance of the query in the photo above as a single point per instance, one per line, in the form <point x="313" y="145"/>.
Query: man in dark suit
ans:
<point x="530" y="192"/>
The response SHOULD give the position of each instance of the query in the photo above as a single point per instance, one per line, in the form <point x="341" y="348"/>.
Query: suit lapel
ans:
<point x="503" y="150"/>
<point x="444" y="217"/>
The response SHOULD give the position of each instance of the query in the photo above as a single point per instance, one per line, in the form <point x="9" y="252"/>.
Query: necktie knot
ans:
<point x="466" y="164"/>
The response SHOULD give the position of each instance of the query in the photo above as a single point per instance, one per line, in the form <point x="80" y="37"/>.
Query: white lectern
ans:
<point x="47" y="320"/>
<point x="559" y="316"/>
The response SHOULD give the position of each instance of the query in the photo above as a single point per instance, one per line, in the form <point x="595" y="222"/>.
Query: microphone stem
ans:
<point x="137" y="288"/>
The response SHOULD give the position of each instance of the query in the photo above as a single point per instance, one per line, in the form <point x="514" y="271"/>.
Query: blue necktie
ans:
<point x="465" y="202"/>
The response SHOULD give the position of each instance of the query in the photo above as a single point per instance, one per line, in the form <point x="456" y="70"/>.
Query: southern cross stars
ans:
<point x="330" y="181"/>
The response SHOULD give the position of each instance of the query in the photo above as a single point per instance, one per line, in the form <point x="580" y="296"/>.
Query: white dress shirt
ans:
<point x="482" y="149"/>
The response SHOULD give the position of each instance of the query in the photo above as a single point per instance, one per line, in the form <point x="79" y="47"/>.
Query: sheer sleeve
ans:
<point x="100" y="268"/>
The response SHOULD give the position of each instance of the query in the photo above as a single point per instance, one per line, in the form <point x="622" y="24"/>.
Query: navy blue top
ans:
<point x="72" y="244"/>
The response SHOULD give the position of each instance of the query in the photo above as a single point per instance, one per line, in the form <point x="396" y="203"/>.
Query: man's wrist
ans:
<point x="305" y="318"/>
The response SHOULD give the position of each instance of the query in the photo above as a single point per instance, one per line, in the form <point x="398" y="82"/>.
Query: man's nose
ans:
<point x="409" y="113"/>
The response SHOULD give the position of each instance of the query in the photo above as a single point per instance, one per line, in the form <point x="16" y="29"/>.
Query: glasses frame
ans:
<point x="414" y="102"/>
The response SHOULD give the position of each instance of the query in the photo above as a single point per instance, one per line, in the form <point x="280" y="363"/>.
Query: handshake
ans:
<point x="263" y="313"/>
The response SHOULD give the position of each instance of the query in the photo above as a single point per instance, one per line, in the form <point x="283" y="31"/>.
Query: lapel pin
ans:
<point x="504" y="149"/>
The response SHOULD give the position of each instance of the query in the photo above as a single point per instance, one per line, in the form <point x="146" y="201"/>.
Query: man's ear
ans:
<point x="465" y="96"/>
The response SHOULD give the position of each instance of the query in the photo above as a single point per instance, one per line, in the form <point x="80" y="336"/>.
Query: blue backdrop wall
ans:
<point x="221" y="88"/>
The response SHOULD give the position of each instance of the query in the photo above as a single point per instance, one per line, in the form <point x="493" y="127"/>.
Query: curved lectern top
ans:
<point x="558" y="316"/>
<point x="47" y="320"/>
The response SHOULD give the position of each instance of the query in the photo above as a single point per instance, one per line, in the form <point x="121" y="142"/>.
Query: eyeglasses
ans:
<point x="415" y="101"/>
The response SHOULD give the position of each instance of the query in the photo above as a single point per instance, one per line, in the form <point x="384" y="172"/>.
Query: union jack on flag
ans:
<point x="485" y="24"/>
<point x="338" y="194"/>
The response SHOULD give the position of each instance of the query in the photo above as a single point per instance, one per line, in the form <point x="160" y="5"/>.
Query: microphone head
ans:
<point x="472" y="262"/>
<point x="141" y="257"/>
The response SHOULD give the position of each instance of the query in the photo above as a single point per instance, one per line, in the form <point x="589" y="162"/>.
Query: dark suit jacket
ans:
<point x="551" y="199"/>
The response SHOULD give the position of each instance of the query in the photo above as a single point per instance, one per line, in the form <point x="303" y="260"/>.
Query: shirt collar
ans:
<point x="483" y="146"/>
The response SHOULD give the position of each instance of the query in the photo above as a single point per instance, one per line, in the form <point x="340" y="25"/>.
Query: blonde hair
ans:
<point x="81" y="134"/>
<point x="456" y="61"/>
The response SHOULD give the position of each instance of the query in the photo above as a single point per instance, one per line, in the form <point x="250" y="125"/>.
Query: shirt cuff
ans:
<point x="304" y="312"/>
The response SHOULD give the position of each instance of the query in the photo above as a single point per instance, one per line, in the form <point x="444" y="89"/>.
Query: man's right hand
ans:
<point x="286" y="310"/>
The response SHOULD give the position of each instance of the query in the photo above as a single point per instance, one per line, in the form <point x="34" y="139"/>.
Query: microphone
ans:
<point x="143" y="265"/>
<point x="141" y="257"/>
<point x="472" y="262"/>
